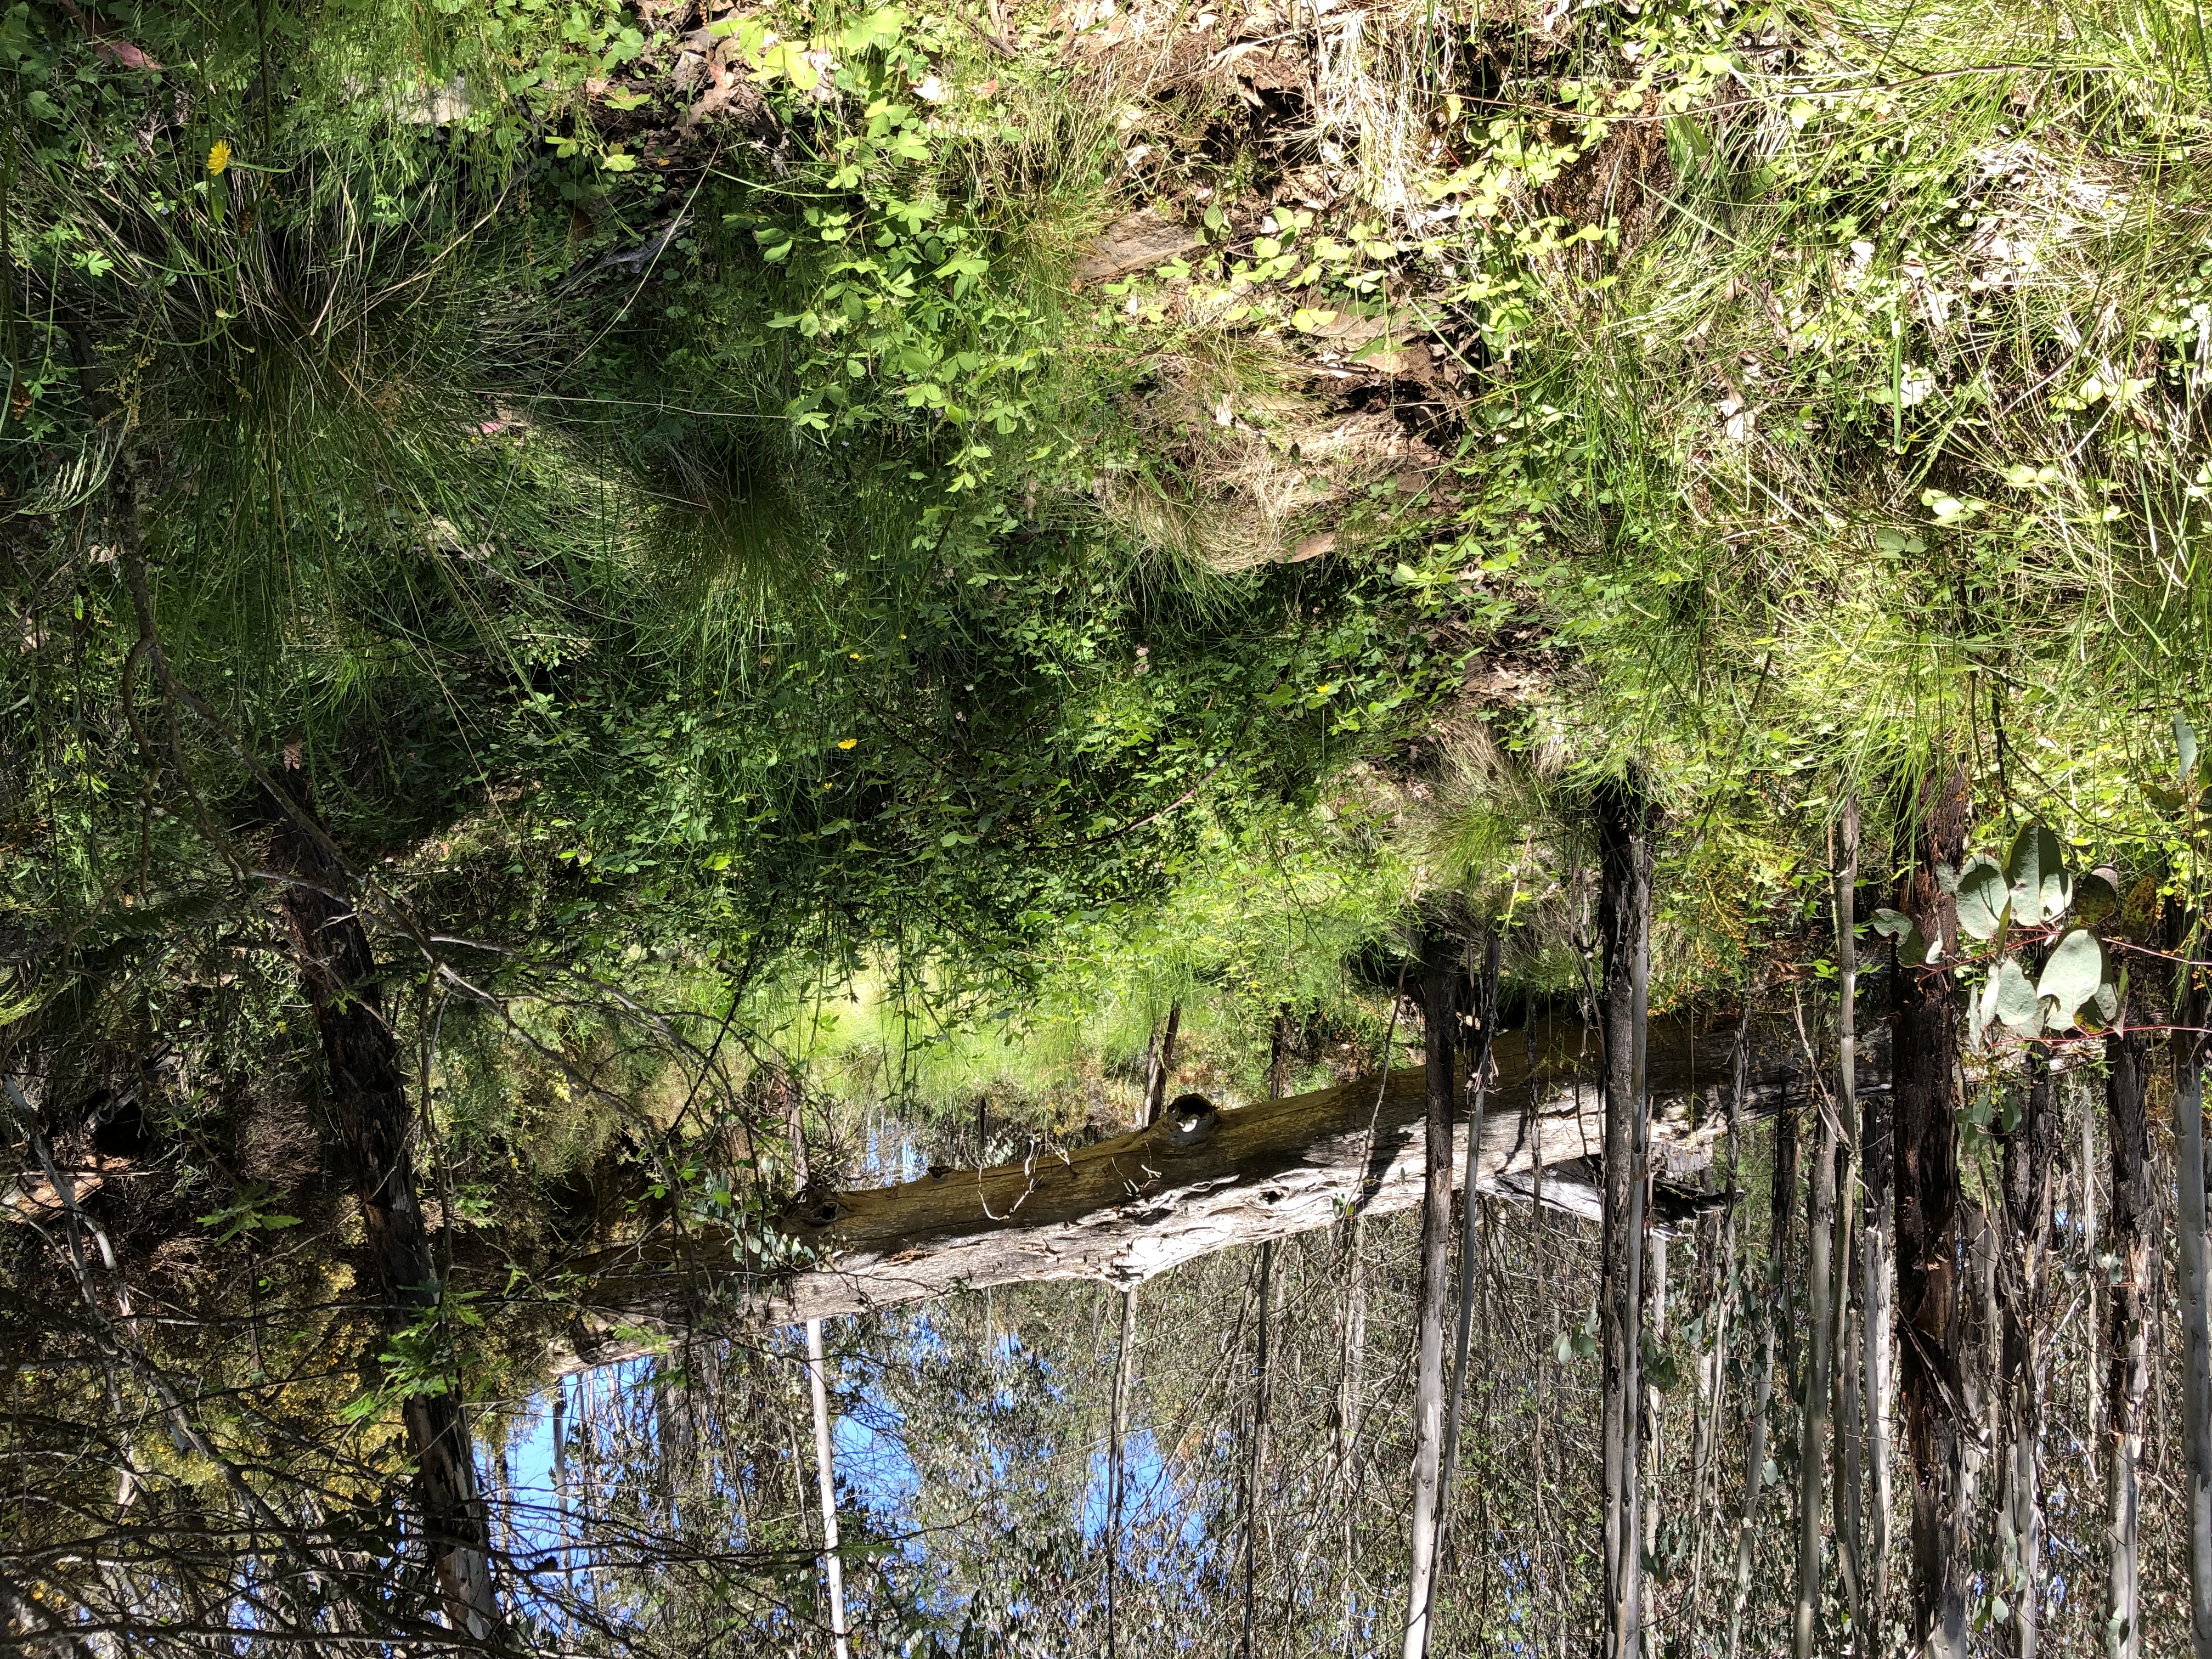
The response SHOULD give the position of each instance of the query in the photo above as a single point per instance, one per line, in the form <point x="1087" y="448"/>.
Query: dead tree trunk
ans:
<point x="339" y="971"/>
<point x="1625" y="866"/>
<point x="2127" y="1377"/>
<point x="1439" y="957"/>
<point x="1160" y="1066"/>
<point x="2030" y="1148"/>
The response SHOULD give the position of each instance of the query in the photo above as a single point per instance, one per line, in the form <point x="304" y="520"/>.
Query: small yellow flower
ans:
<point x="1324" y="690"/>
<point x="848" y="743"/>
<point x="219" y="157"/>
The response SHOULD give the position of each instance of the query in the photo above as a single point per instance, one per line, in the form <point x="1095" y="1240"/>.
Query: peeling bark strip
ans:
<point x="339" y="971"/>
<point x="1202" y="1181"/>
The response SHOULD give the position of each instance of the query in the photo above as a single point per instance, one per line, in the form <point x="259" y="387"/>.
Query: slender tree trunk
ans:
<point x="1813" y="1421"/>
<point x="2127" y="1376"/>
<point x="1117" y="1478"/>
<point x="1255" y="1471"/>
<point x="2029" y="1151"/>
<point x="338" y="970"/>
<point x="1624" y="862"/>
<point x="1160" y="1065"/>
<point x="1924" y="1025"/>
<point x="2189" y="1059"/>
<point x="1784" y="1184"/>
<point x="1440" y="965"/>
<point x="1282" y="1052"/>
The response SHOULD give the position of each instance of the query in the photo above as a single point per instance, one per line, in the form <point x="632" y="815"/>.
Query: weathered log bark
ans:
<point x="1623" y="844"/>
<point x="2030" y="1148"/>
<point x="2127" y="1376"/>
<point x="338" y="972"/>
<point x="1923" y="1036"/>
<point x="1440" y="1002"/>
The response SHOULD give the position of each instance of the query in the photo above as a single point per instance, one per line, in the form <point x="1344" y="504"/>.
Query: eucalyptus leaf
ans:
<point x="2036" y="873"/>
<point x="2078" y="965"/>
<point x="2015" y="1000"/>
<point x="1912" y="948"/>
<point x="2096" y="894"/>
<point x="1983" y="897"/>
<point x="2184" y="740"/>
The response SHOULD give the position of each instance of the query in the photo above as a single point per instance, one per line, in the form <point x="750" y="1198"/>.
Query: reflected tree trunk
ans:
<point x="2127" y="1377"/>
<point x="1625" y="866"/>
<point x="1440" y="966"/>
<point x="1851" y="1425"/>
<point x="2030" y="1148"/>
<point x="1116" y="1475"/>
<point x="2188" y="1053"/>
<point x="338" y="969"/>
<point x="825" y="1477"/>
<point x="1256" y="1468"/>
<point x="1923" y="1059"/>
<point x="1784" y="1184"/>
<point x="1813" y="1420"/>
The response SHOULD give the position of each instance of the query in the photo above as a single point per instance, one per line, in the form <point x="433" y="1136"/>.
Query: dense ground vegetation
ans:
<point x="618" y="612"/>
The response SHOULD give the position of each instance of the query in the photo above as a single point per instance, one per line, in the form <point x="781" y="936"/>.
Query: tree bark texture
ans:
<point x="1440" y="1000"/>
<point x="339" y="971"/>
<point x="1848" y="1459"/>
<point x="2127" y="1375"/>
<point x="1624" y="841"/>
<point x="1923" y="1036"/>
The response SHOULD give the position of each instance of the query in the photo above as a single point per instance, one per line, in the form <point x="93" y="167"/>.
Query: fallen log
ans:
<point x="1203" y="1179"/>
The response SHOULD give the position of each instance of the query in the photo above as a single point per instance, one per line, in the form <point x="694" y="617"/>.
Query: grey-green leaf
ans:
<point x="1982" y="895"/>
<point x="2037" y="871"/>
<point x="2185" y="740"/>
<point x="2016" y="1003"/>
<point x="2077" y="966"/>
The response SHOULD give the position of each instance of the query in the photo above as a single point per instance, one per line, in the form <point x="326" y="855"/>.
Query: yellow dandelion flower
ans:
<point x="848" y="743"/>
<point x="219" y="157"/>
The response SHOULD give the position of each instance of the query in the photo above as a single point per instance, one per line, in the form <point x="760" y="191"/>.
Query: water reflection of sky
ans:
<point x="882" y="1487"/>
